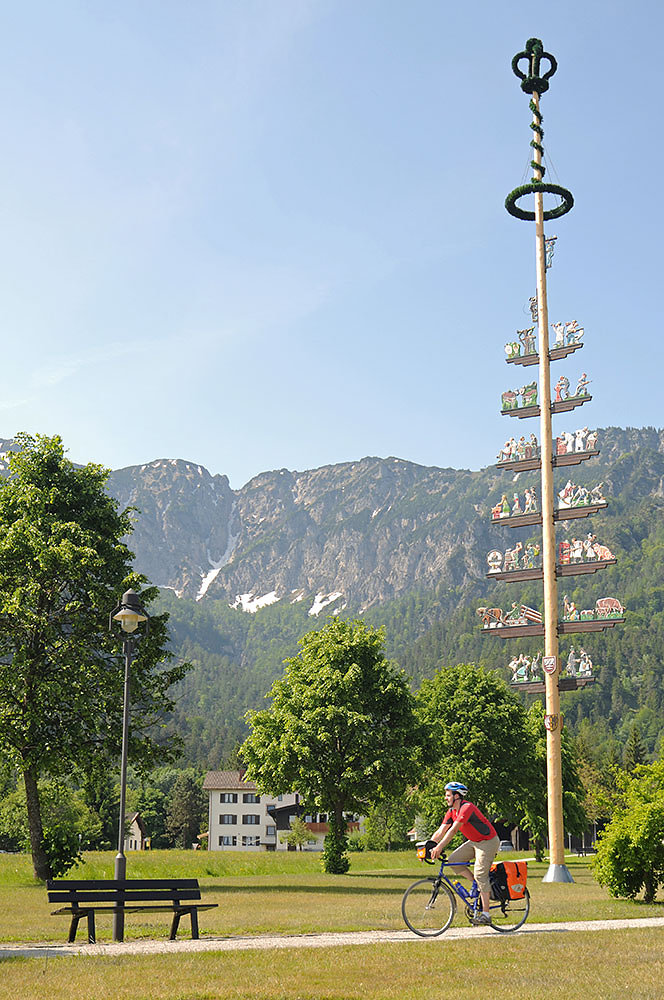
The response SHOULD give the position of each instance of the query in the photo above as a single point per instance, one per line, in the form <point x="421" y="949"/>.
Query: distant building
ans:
<point x="242" y="820"/>
<point x="136" y="838"/>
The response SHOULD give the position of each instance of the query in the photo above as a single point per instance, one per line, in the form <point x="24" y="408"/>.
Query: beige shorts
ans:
<point x="484" y="852"/>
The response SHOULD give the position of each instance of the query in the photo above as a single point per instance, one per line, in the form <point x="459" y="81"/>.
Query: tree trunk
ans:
<point x="649" y="886"/>
<point x="40" y="862"/>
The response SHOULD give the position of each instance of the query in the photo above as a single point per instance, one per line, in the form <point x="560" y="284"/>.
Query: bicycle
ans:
<point x="430" y="904"/>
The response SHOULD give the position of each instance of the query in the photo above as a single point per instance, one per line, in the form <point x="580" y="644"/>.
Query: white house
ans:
<point x="241" y="820"/>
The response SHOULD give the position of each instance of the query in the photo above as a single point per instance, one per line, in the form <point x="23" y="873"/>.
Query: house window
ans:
<point x="251" y="841"/>
<point x="250" y="797"/>
<point x="228" y="797"/>
<point x="271" y="831"/>
<point x="251" y="819"/>
<point x="228" y="841"/>
<point x="228" y="819"/>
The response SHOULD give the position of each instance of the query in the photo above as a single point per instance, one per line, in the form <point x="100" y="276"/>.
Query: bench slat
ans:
<point x="130" y="883"/>
<point x="135" y="909"/>
<point x="110" y="896"/>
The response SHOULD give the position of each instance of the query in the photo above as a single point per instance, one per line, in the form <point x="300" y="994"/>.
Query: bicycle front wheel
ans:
<point x="510" y="915"/>
<point x="427" y="908"/>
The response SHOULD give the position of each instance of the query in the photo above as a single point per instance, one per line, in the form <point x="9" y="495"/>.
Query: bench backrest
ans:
<point x="130" y="890"/>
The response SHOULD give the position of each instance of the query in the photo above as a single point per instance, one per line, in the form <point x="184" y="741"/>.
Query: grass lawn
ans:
<point x="610" y="965"/>
<point x="283" y="893"/>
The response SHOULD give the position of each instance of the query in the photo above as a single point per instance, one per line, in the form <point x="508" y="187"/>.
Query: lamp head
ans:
<point x="129" y="612"/>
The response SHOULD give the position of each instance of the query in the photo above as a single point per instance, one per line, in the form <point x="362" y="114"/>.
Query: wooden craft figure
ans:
<point x="572" y="662"/>
<point x="519" y="667"/>
<point x="574" y="333"/>
<point x="582" y="385"/>
<point x="530" y="554"/>
<point x="565" y="495"/>
<point x="601" y="552"/>
<point x="495" y="560"/>
<point x="562" y="389"/>
<point x="585" y="664"/>
<point x="513" y="616"/>
<point x="535" y="667"/>
<point x="509" y="400"/>
<point x="511" y="560"/>
<point x="512" y="349"/>
<point x="521" y="448"/>
<point x="596" y="495"/>
<point x="504" y="506"/>
<point x="581" y="497"/>
<point x="491" y="617"/>
<point x="608" y="607"/>
<point x="531" y="501"/>
<point x="570" y="612"/>
<point x="527" y="338"/>
<point x="532" y="448"/>
<point x="497" y="511"/>
<point x="580" y="439"/>
<point x="576" y="550"/>
<point x="549" y="250"/>
<point x="591" y="441"/>
<point x="559" y="330"/>
<point x="564" y="553"/>
<point x="534" y="311"/>
<point x="516" y="505"/>
<point x="528" y="394"/>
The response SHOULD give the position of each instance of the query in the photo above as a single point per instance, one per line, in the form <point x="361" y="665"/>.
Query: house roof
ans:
<point x="227" y="779"/>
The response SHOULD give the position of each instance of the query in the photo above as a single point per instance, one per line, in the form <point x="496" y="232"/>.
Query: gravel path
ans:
<point x="162" y="946"/>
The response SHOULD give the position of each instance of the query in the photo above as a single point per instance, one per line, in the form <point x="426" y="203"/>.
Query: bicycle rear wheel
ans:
<point x="428" y="909"/>
<point x="510" y="915"/>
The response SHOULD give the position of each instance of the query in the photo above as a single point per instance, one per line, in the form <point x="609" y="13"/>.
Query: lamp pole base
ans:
<point x="558" y="873"/>
<point x="118" y="916"/>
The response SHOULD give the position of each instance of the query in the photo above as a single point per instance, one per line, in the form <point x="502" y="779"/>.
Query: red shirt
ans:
<point x="473" y="824"/>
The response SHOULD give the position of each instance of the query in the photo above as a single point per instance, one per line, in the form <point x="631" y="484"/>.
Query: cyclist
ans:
<point x="482" y="841"/>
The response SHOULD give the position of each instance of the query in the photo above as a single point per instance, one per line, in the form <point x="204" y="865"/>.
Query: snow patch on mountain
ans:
<point x="251" y="604"/>
<point x="322" y="600"/>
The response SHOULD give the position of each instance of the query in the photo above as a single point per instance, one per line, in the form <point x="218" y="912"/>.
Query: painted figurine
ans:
<point x="582" y="385"/>
<point x="562" y="389"/>
<point x="527" y="339"/>
<point x="559" y="330"/>
<point x="574" y="333"/>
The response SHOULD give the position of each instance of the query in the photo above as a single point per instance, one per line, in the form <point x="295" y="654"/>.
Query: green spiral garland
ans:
<point x="534" y="83"/>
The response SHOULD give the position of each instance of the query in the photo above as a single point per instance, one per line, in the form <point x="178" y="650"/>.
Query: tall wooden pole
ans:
<point x="553" y="741"/>
<point x="535" y="84"/>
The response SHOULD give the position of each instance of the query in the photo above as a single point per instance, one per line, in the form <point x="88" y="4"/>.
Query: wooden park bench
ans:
<point x="85" y="896"/>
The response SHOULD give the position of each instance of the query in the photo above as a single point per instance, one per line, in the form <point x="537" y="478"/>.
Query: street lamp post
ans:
<point x="128" y="613"/>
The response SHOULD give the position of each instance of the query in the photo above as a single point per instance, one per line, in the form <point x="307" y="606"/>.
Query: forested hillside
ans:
<point x="237" y="655"/>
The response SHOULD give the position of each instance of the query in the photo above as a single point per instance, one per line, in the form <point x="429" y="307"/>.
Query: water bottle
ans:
<point x="461" y="889"/>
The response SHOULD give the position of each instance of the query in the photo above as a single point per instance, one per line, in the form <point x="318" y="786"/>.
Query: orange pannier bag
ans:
<point x="508" y="879"/>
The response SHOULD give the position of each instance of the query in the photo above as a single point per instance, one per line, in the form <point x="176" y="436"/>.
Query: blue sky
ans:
<point x="264" y="234"/>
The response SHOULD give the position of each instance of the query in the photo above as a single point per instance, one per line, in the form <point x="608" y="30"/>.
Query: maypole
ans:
<point x="536" y="85"/>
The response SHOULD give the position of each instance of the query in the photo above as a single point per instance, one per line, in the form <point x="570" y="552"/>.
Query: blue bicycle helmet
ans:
<point x="456" y="786"/>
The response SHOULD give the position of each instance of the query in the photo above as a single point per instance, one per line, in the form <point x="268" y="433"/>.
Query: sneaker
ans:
<point x="481" y="920"/>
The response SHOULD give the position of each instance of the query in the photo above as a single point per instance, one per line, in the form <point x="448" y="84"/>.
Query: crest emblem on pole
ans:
<point x="551" y="722"/>
<point x="549" y="664"/>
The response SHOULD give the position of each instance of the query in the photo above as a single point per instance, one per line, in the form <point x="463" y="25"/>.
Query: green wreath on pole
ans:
<point x="535" y="188"/>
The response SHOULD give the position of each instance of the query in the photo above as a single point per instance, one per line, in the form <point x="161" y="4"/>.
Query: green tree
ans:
<point x="186" y="809"/>
<point x="533" y="803"/>
<point x="63" y="565"/>
<point x="298" y="834"/>
<point x="341" y="729"/>
<point x="479" y="737"/>
<point x="635" y="751"/>
<point x="630" y="852"/>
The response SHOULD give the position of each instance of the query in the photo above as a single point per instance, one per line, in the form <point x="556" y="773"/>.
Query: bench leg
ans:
<point x="194" y="924"/>
<point x="92" y="939"/>
<point x="73" y="927"/>
<point x="175" y="924"/>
